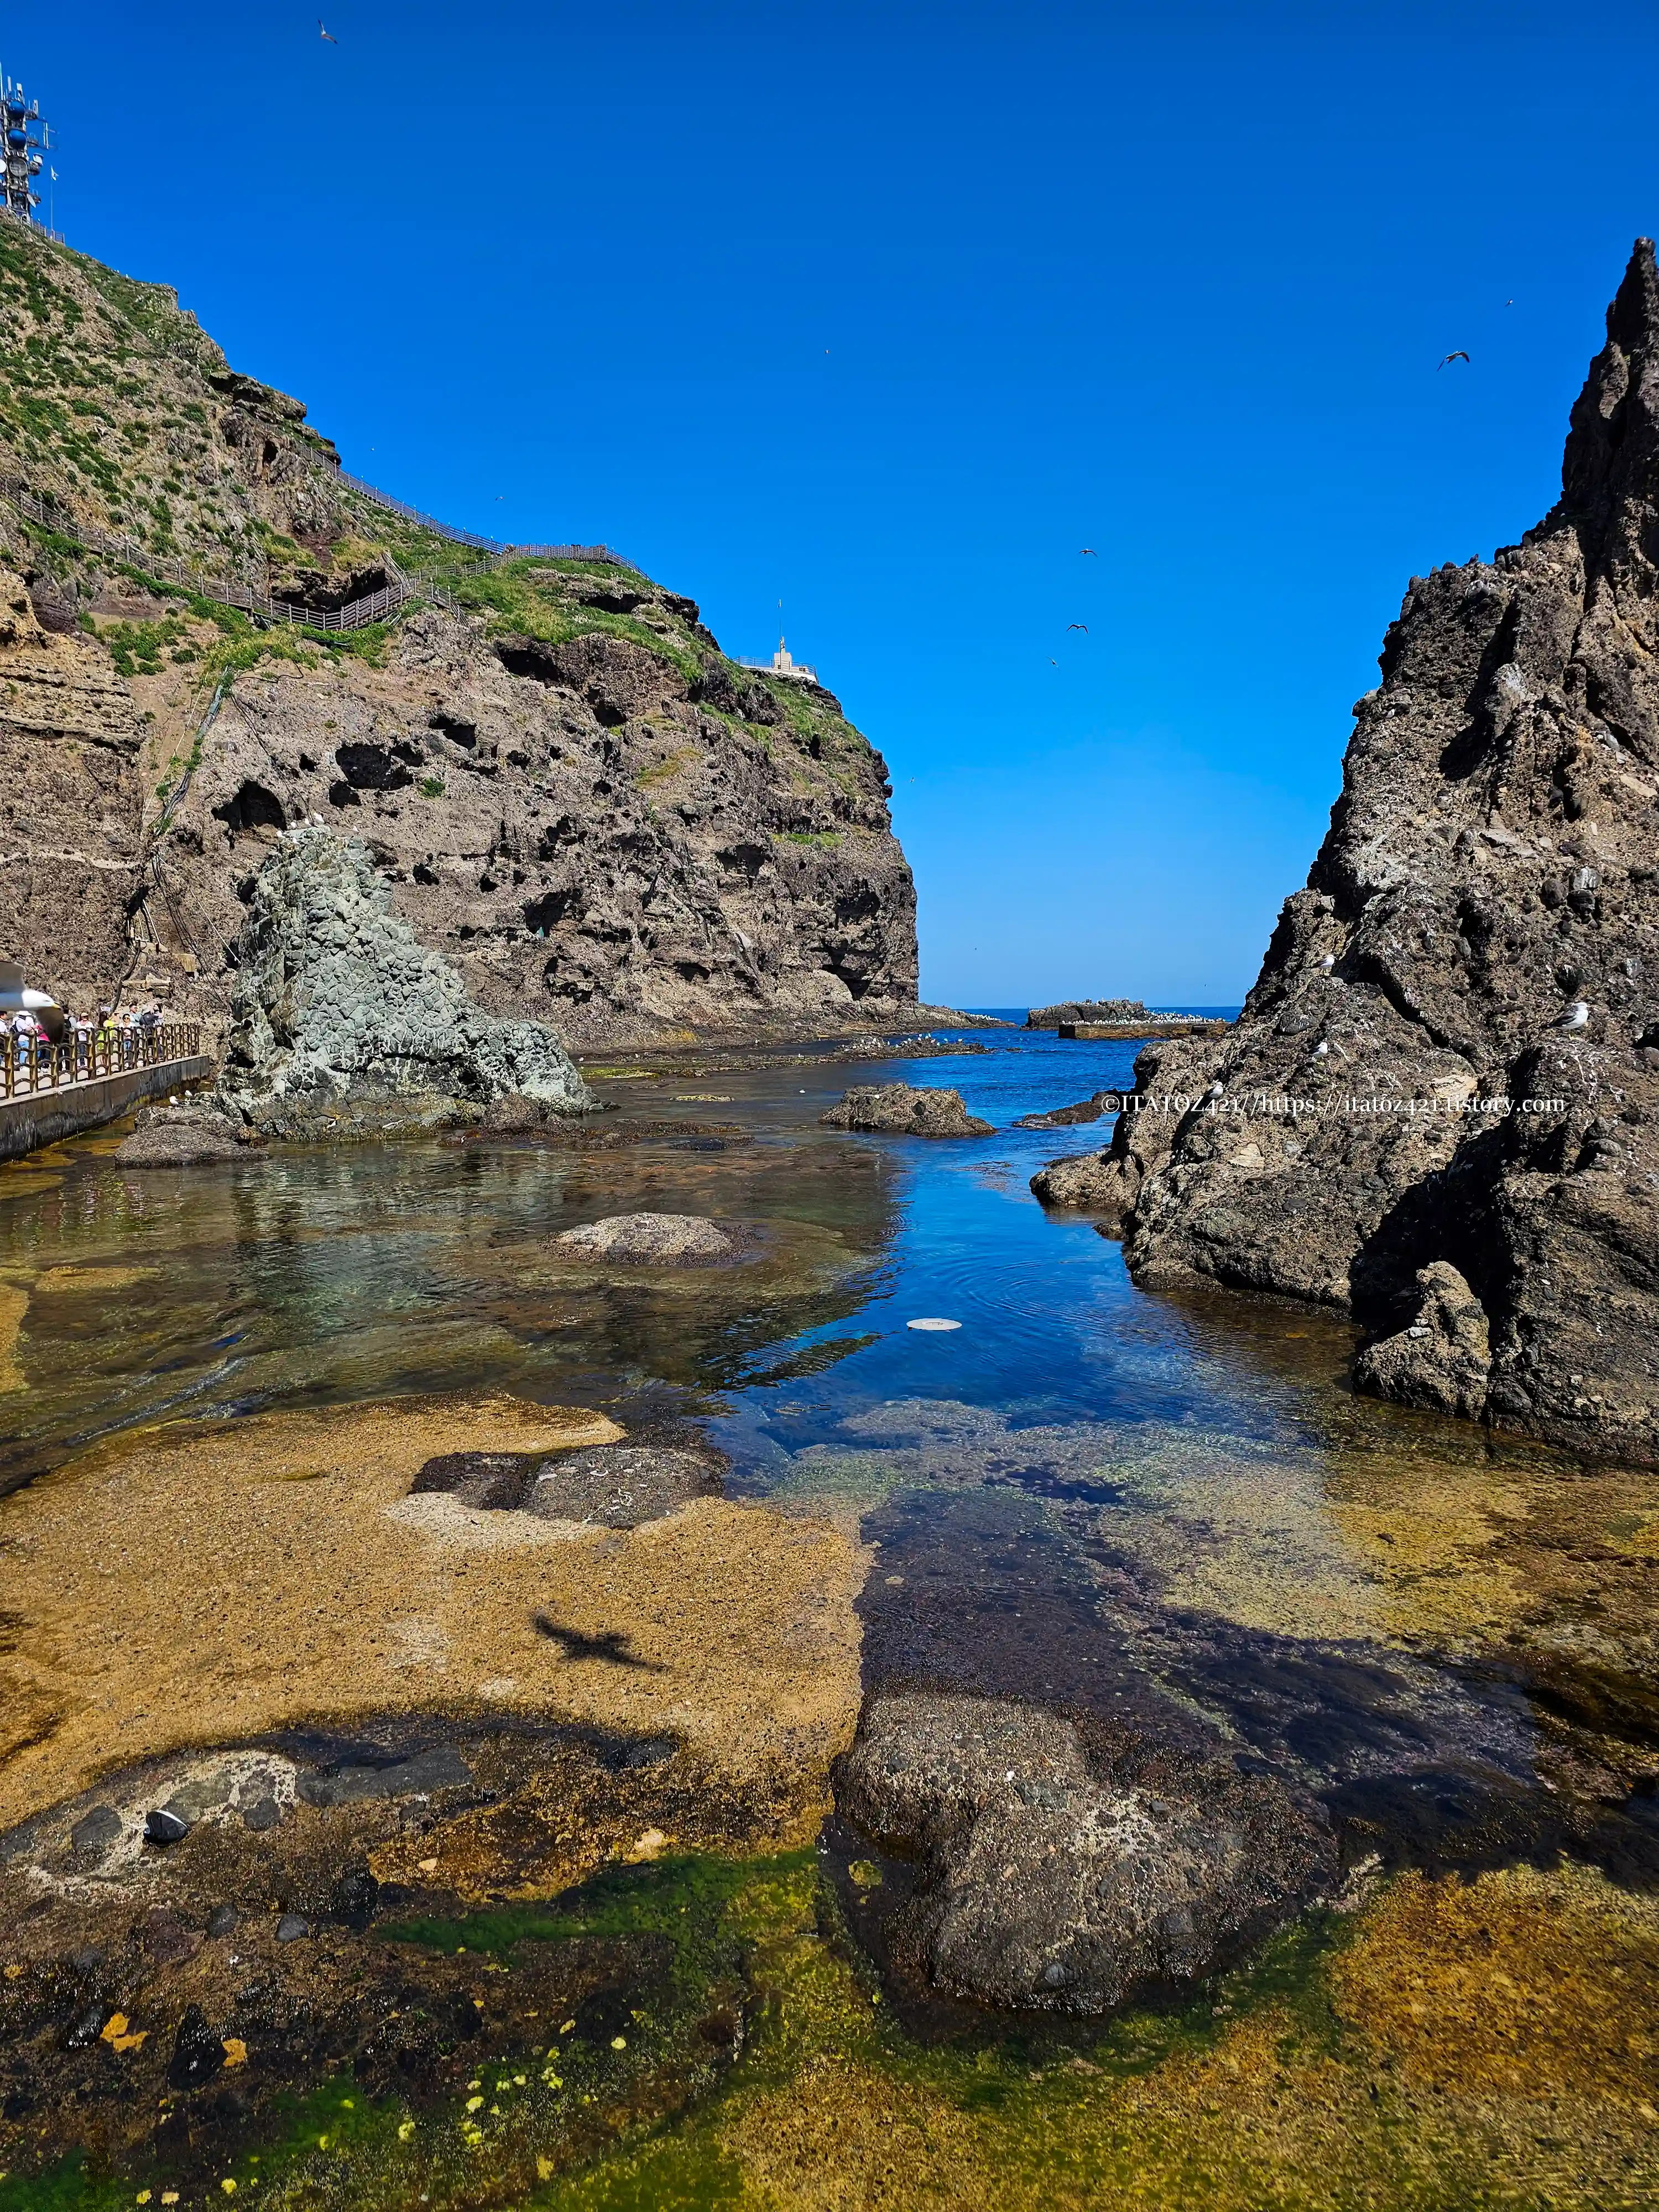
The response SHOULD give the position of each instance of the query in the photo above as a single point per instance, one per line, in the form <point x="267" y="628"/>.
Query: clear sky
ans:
<point x="885" y="313"/>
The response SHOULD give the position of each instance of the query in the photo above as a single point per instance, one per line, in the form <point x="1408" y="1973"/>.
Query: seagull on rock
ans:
<point x="1576" y="1017"/>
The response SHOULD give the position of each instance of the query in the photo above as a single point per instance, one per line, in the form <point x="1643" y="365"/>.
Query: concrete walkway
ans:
<point x="41" y="1117"/>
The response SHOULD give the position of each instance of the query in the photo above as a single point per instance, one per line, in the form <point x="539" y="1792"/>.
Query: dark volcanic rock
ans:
<point x="626" y="835"/>
<point x="488" y="1480"/>
<point x="1442" y="1359"/>
<point x="1451" y="1055"/>
<point x="441" y="1768"/>
<point x="901" y="1109"/>
<point x="95" y="1832"/>
<point x="198" y="2053"/>
<point x="1066" y="1117"/>
<point x="1063" y="1876"/>
<point x="620" y="1486"/>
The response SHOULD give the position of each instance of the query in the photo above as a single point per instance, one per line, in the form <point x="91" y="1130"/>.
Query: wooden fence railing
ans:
<point x="30" y="1064"/>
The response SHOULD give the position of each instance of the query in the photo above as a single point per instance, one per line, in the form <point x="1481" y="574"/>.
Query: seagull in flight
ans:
<point x="323" y="33"/>
<point x="1459" y="355"/>
<point x="1090" y="550"/>
<point x="1083" y="627"/>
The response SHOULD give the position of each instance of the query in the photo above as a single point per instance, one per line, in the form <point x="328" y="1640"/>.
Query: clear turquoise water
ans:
<point x="1083" y="1493"/>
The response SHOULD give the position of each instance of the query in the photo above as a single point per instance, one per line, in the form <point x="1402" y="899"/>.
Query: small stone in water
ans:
<point x="221" y="1920"/>
<point x="93" y="1834"/>
<point x="161" y="1826"/>
<point x="291" y="1927"/>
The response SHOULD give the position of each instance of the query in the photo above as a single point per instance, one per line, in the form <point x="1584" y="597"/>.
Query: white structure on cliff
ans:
<point x="782" y="665"/>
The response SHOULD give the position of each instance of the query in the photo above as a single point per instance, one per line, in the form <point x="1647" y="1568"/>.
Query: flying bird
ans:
<point x="1459" y="355"/>
<point x="1083" y="627"/>
<point x="323" y="33"/>
<point x="1090" y="550"/>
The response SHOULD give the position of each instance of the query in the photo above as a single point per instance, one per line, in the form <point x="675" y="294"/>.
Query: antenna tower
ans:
<point x="26" y="141"/>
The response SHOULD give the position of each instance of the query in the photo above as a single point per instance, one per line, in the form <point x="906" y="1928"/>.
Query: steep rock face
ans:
<point x="339" y="1011"/>
<point x="71" y="808"/>
<point x="588" y="841"/>
<point x="1481" y="925"/>
<point x="568" y="789"/>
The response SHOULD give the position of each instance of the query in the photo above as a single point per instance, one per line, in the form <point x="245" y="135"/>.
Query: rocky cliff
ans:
<point x="571" y="793"/>
<point x="1440" y="1107"/>
<point x="341" y="1019"/>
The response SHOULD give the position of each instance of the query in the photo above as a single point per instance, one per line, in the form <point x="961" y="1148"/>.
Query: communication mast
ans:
<point x="26" y="142"/>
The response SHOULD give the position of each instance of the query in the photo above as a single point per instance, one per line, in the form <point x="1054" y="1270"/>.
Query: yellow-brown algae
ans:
<point x="197" y="1582"/>
<point x="14" y="1305"/>
<point x="78" y="1279"/>
<point x="1522" y="1980"/>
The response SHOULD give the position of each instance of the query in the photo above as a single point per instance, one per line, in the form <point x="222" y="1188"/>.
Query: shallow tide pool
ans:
<point x="215" y="1384"/>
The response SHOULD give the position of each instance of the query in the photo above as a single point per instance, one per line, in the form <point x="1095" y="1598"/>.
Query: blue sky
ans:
<point x="886" y="313"/>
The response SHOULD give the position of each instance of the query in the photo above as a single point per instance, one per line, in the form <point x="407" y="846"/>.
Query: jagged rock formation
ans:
<point x="340" y="1015"/>
<point x="570" y="791"/>
<point x="70" y="813"/>
<point x="1481" y="925"/>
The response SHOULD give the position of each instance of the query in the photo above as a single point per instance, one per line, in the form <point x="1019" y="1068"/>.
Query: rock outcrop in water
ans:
<point x="904" y="1109"/>
<point x="596" y="816"/>
<point x="1449" y="1067"/>
<point x="340" y="1014"/>
<point x="1066" y="1875"/>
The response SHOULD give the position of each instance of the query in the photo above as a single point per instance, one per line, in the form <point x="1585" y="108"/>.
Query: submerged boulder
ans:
<point x="903" y="1110"/>
<point x="668" y="1239"/>
<point x="340" y="1015"/>
<point x="187" y="1135"/>
<point x="1068" y="1875"/>
<point x="486" y="1481"/>
<point x="620" y="1486"/>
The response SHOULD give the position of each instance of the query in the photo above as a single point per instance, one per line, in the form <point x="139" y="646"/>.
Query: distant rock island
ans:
<point x="1086" y="1010"/>
<point x="1123" y="1018"/>
<point x="1440" y="1107"/>
<point x="599" y="818"/>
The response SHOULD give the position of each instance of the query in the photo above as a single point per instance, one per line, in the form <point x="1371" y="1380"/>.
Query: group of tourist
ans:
<point x="27" y="1035"/>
